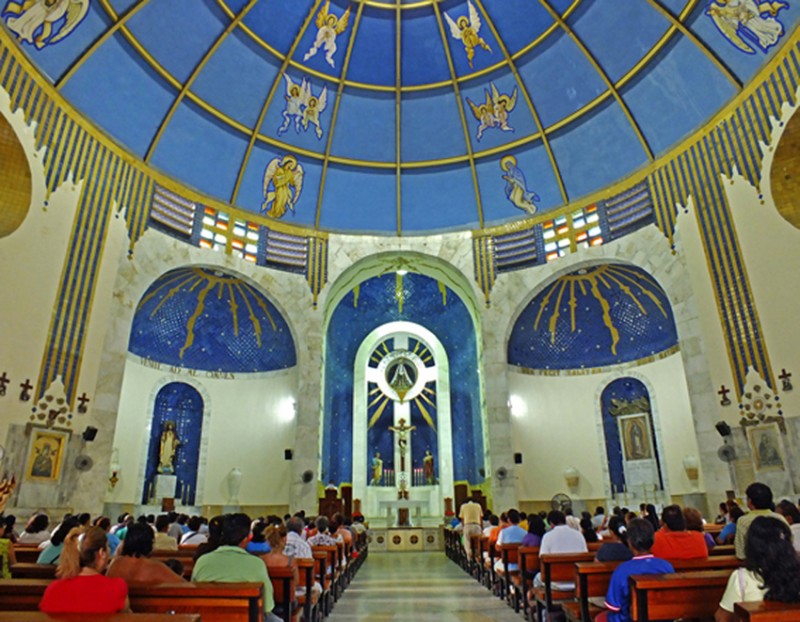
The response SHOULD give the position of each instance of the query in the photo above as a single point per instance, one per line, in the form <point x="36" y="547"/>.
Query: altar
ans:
<point x="398" y="510"/>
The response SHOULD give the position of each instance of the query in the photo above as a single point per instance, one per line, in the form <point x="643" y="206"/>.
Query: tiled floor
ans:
<point x="418" y="587"/>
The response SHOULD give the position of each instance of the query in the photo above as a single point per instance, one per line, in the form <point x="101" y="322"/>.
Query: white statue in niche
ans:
<point x="168" y="448"/>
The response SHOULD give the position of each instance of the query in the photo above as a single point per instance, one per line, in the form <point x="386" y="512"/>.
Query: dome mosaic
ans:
<point x="399" y="117"/>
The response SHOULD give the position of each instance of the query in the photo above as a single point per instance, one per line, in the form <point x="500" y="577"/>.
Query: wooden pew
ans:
<point x="679" y="595"/>
<point x="558" y="568"/>
<point x="215" y="602"/>
<point x="592" y="579"/>
<point x="283" y="592"/>
<point x="723" y="549"/>
<point x="33" y="571"/>
<point x="509" y="554"/>
<point x="529" y="566"/>
<point x="26" y="554"/>
<point x="38" y="616"/>
<point x="308" y="601"/>
<point x="767" y="611"/>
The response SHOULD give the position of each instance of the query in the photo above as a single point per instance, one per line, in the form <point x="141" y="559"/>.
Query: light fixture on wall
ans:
<point x="516" y="405"/>
<point x="114" y="468"/>
<point x="691" y="465"/>
<point x="287" y="409"/>
<point x="572" y="477"/>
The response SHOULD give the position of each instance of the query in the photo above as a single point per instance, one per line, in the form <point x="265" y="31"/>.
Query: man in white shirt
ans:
<point x="560" y="539"/>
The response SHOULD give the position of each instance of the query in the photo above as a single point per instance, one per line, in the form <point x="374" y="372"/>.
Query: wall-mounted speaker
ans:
<point x="287" y="454"/>
<point x="723" y="428"/>
<point x="518" y="458"/>
<point x="89" y="434"/>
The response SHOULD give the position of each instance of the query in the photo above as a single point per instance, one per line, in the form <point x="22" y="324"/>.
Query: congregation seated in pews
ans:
<point x="227" y="569"/>
<point x="691" y="572"/>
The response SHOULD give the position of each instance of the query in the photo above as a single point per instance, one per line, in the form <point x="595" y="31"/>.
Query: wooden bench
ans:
<point x="283" y="592"/>
<point x="679" y="595"/>
<point x="529" y="566"/>
<point x="767" y="611"/>
<point x="215" y="602"/>
<point x="723" y="549"/>
<point x="308" y="601"/>
<point x="592" y="580"/>
<point x="38" y="616"/>
<point x="509" y="554"/>
<point x="33" y="571"/>
<point x="26" y="554"/>
<point x="557" y="568"/>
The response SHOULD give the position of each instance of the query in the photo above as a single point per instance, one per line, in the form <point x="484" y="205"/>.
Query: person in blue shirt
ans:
<point x="728" y="532"/>
<point x="640" y="540"/>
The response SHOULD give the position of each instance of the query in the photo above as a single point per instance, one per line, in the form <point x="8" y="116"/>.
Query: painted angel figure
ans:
<point x="283" y="183"/>
<point x="517" y="187"/>
<point x="295" y="97"/>
<point x="314" y="107"/>
<point x="748" y="21"/>
<point x="484" y="113"/>
<point x="34" y="21"/>
<point x="329" y="25"/>
<point x="502" y="104"/>
<point x="465" y="29"/>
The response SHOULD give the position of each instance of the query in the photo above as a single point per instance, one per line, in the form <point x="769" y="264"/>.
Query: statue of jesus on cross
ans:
<point x="402" y="430"/>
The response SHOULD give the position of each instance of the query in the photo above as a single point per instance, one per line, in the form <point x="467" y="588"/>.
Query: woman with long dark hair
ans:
<point x="771" y="570"/>
<point x="615" y="543"/>
<point x="81" y="586"/>
<point x="51" y="554"/>
<point x="133" y="564"/>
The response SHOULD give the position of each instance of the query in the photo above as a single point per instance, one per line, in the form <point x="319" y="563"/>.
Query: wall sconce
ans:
<point x="114" y="468"/>
<point x="691" y="465"/>
<point x="572" y="477"/>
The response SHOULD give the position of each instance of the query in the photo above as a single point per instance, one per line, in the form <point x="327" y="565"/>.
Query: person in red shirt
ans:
<point x="81" y="586"/>
<point x="672" y="541"/>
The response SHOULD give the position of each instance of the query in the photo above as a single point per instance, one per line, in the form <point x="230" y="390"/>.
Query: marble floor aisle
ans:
<point x="417" y="587"/>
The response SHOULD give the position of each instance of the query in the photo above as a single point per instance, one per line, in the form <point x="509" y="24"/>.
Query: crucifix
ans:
<point x="785" y="378"/>
<point x="26" y="387"/>
<point x="4" y="380"/>
<point x="401" y="430"/>
<point x="83" y="399"/>
<point x="723" y="391"/>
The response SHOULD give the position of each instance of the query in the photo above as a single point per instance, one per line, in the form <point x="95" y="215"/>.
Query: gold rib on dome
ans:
<point x="526" y="94"/>
<point x="193" y="76"/>
<point x="335" y="114"/>
<point x="603" y="75"/>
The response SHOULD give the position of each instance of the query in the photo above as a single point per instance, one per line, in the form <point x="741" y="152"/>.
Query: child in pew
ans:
<point x="618" y="598"/>
<point x="771" y="570"/>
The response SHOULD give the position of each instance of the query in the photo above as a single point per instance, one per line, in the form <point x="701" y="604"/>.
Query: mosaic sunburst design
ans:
<point x="399" y="375"/>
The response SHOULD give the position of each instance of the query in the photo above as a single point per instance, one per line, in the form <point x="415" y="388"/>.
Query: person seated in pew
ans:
<point x="536" y="529"/>
<point x="258" y="544"/>
<point x="36" y="530"/>
<point x="513" y="534"/>
<point x="7" y="530"/>
<point x="322" y="537"/>
<point x="694" y="522"/>
<point x="771" y="569"/>
<point x="214" y="535"/>
<point x="560" y="539"/>
<point x="276" y="557"/>
<point x="81" y="586"/>
<point x="589" y="534"/>
<point x="230" y="563"/>
<point x="164" y="541"/>
<point x="7" y="556"/>
<point x="104" y="522"/>
<point x="133" y="563"/>
<point x="789" y="511"/>
<point x="672" y="541"/>
<point x="728" y="532"/>
<point x="194" y="536"/>
<point x="494" y="522"/>
<point x="759" y="502"/>
<point x="615" y="542"/>
<point x="640" y="536"/>
<point x="51" y="553"/>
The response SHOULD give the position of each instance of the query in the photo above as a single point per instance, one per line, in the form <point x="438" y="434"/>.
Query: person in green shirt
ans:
<point x="231" y="563"/>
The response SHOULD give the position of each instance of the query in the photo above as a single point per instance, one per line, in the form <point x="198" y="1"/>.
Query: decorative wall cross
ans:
<point x="725" y="401"/>
<point x="785" y="378"/>
<point x="4" y="380"/>
<point x="83" y="400"/>
<point x="26" y="387"/>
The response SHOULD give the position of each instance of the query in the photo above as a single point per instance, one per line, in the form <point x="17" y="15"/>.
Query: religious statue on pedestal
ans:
<point x="427" y="468"/>
<point x="377" y="469"/>
<point x="168" y="448"/>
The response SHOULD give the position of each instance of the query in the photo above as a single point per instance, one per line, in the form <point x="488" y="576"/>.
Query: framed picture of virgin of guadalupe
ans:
<point x="636" y="437"/>
<point x="46" y="454"/>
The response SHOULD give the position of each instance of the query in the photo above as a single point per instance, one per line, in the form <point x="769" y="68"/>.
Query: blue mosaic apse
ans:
<point x="209" y="320"/>
<point x="374" y="303"/>
<point x="594" y="317"/>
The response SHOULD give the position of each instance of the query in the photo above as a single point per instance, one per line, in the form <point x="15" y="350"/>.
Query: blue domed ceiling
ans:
<point x="405" y="116"/>
<point x="594" y="317"/>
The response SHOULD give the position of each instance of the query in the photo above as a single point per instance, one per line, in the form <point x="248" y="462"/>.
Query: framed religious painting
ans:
<point x="46" y="453"/>
<point x="636" y="441"/>
<point x="765" y="443"/>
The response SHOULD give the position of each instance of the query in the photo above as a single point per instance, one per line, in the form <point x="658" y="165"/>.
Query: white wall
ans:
<point x="556" y="424"/>
<point x="249" y="419"/>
